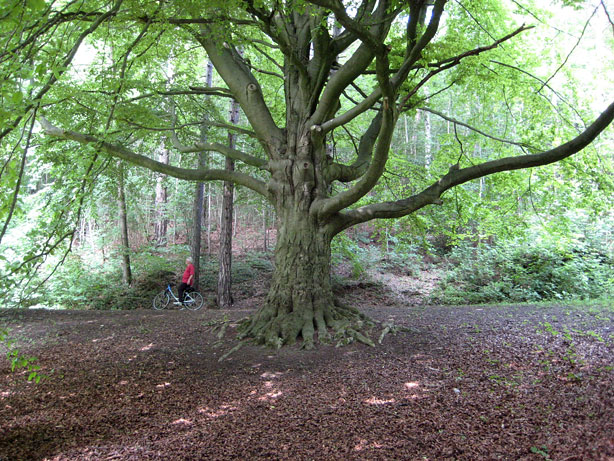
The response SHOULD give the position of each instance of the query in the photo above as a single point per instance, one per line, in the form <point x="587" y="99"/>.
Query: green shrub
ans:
<point x="345" y="250"/>
<point x="524" y="272"/>
<point x="402" y="257"/>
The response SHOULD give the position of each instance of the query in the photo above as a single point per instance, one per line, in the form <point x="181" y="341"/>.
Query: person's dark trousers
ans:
<point x="182" y="289"/>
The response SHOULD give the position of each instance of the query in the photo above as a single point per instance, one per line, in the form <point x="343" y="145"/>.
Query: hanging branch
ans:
<point x="572" y="50"/>
<point x="20" y="176"/>
<point x="486" y="135"/>
<point x="62" y="69"/>
<point x="457" y="176"/>
<point x="119" y="151"/>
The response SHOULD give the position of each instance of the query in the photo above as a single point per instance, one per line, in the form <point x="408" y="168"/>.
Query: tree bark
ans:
<point x="208" y="207"/>
<point x="300" y="302"/>
<point x="197" y="216"/>
<point x="161" y="219"/>
<point x="224" y="281"/>
<point x="265" y="243"/>
<point x="123" y="228"/>
<point x="428" y="142"/>
<point x="199" y="190"/>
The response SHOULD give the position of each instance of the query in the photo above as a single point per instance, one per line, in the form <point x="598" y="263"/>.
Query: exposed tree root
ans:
<point x="233" y="350"/>
<point x="219" y="325"/>
<point x="343" y="325"/>
<point x="390" y="328"/>
<point x="324" y="323"/>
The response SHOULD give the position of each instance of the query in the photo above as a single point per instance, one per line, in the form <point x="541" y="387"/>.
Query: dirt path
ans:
<point x="463" y="383"/>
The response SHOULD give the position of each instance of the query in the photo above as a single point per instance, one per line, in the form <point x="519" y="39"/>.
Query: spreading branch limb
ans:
<point x="457" y="176"/>
<point x="124" y="153"/>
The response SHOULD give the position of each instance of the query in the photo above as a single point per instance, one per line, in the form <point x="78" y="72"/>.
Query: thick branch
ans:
<point x="456" y="176"/>
<point x="347" y="173"/>
<point x="123" y="153"/>
<point x="399" y="77"/>
<point x="416" y="52"/>
<point x="401" y="74"/>
<point x="227" y="151"/>
<point x="245" y="90"/>
<point x="325" y="208"/>
<point x="354" y="66"/>
<point x="372" y="40"/>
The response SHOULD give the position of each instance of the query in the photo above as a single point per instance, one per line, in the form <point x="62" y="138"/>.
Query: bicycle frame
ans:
<point x="170" y="290"/>
<point x="193" y="299"/>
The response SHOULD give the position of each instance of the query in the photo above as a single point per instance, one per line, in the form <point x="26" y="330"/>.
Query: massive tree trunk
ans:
<point x="300" y="302"/>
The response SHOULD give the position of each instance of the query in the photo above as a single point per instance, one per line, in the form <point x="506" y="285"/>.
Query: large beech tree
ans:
<point x="308" y="68"/>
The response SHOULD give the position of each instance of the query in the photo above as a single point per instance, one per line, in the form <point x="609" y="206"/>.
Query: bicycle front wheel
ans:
<point x="193" y="300"/>
<point x="161" y="300"/>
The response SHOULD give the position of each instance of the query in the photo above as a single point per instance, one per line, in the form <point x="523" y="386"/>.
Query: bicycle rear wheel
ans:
<point x="161" y="300"/>
<point x="193" y="300"/>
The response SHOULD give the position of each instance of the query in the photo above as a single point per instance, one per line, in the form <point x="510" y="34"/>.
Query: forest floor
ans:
<point x="516" y="382"/>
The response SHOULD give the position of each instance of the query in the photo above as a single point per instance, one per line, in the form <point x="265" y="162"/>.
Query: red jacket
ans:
<point x="189" y="271"/>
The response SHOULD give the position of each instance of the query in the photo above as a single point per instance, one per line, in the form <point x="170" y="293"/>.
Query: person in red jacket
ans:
<point x="187" y="279"/>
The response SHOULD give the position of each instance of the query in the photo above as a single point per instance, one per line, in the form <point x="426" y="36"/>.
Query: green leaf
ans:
<point x="17" y="98"/>
<point x="37" y="5"/>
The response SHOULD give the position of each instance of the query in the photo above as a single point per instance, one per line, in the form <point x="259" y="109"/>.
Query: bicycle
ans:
<point x="193" y="300"/>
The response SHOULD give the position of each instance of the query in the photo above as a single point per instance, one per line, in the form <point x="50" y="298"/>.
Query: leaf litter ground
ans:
<point x="469" y="382"/>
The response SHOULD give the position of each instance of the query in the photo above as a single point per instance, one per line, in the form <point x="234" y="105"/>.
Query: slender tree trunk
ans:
<point x="428" y="156"/>
<point x="175" y="214"/>
<point x="406" y="133"/>
<point x="224" y="281"/>
<point x="197" y="227"/>
<point x="161" y="219"/>
<point x="414" y="136"/>
<point x="235" y="218"/>
<point x="197" y="215"/>
<point x="123" y="228"/>
<point x="265" y="242"/>
<point x="209" y="218"/>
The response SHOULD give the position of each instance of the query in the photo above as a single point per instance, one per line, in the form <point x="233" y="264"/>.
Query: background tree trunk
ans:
<point x="428" y="141"/>
<point x="197" y="225"/>
<point x="123" y="228"/>
<point x="209" y="219"/>
<point x="265" y="239"/>
<point x="197" y="215"/>
<point x="224" y="281"/>
<point x="161" y="219"/>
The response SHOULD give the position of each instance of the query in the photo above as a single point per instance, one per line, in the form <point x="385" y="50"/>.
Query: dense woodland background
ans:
<point x="519" y="236"/>
<point x="491" y="307"/>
